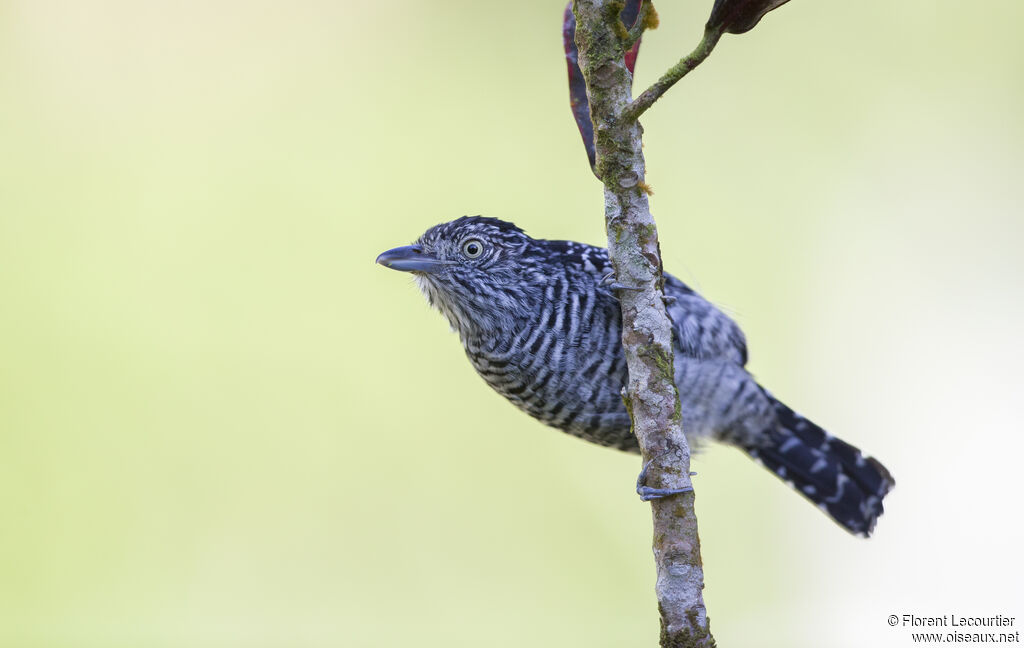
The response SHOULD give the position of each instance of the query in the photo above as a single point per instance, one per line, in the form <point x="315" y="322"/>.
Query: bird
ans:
<point x="540" y="322"/>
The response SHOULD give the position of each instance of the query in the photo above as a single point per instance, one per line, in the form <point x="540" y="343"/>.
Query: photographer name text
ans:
<point x="955" y="621"/>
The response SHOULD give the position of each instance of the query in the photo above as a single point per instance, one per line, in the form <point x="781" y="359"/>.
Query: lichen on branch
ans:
<point x="651" y="395"/>
<point x="685" y="65"/>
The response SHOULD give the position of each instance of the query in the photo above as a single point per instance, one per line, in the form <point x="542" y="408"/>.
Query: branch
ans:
<point x="676" y="72"/>
<point x="647" y="19"/>
<point x="651" y="395"/>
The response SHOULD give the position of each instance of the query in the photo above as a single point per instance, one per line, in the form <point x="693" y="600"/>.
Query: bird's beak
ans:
<point x="410" y="258"/>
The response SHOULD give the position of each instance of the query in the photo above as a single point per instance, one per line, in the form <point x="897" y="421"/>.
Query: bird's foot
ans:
<point x="647" y="493"/>
<point x="609" y="280"/>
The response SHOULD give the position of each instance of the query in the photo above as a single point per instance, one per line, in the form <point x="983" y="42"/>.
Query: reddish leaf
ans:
<point x="739" y="16"/>
<point x="577" y="87"/>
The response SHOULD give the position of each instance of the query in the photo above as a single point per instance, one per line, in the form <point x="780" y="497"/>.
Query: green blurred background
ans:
<point x="222" y="425"/>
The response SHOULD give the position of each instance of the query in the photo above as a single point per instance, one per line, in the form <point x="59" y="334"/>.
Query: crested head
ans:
<point x="478" y="271"/>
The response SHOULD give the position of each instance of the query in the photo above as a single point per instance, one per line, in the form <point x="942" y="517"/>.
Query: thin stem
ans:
<point x="638" y="28"/>
<point x="639" y="105"/>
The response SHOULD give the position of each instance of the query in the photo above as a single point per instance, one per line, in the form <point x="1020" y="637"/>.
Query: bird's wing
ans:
<point x="589" y="259"/>
<point x="702" y="331"/>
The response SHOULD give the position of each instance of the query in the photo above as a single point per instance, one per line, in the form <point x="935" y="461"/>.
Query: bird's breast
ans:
<point x="566" y="373"/>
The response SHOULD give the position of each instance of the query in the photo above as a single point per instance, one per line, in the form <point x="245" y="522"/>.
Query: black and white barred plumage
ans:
<point x="541" y="325"/>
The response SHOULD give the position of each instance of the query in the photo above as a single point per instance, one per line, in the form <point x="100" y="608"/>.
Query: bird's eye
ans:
<point x="472" y="248"/>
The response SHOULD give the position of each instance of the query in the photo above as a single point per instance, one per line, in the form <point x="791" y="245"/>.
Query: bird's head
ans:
<point x="480" y="272"/>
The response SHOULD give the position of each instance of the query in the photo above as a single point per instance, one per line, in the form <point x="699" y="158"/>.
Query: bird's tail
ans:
<point x="839" y="478"/>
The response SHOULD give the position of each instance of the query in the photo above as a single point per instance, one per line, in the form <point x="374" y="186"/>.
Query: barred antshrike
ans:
<point x="541" y="324"/>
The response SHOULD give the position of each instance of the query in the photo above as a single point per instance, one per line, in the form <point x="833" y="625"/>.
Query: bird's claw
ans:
<point x="617" y="286"/>
<point x="609" y="280"/>
<point x="648" y="493"/>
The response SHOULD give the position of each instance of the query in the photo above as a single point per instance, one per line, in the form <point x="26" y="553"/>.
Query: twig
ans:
<point x="641" y="24"/>
<point x="676" y="72"/>
<point x="651" y="395"/>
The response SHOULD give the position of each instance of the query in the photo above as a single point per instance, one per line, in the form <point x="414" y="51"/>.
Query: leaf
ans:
<point x="578" y="101"/>
<point x="740" y="16"/>
<point x="577" y="86"/>
<point x="629" y="15"/>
